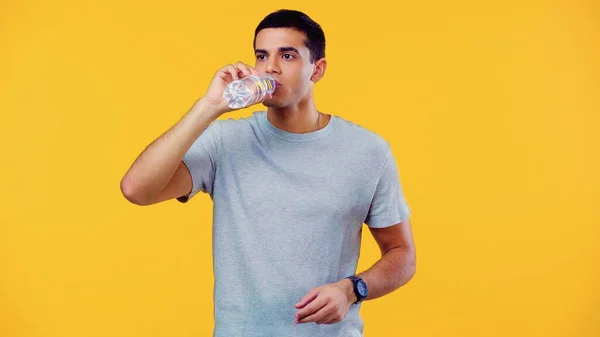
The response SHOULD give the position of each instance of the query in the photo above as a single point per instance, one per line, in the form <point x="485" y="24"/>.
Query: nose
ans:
<point x="273" y="66"/>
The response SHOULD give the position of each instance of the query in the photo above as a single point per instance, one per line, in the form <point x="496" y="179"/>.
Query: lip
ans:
<point x="277" y="83"/>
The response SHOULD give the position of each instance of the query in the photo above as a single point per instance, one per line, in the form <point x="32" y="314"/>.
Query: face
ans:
<point x="281" y="52"/>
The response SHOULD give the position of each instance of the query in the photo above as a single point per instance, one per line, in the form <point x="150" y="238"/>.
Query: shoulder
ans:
<point x="362" y="140"/>
<point x="227" y="126"/>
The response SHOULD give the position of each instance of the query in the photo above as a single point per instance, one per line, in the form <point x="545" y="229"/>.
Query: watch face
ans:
<point x="362" y="288"/>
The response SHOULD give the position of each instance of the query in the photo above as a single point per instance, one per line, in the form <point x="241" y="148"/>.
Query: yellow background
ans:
<point x="492" y="109"/>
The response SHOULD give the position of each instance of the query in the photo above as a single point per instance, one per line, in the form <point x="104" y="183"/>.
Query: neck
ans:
<point x="299" y="118"/>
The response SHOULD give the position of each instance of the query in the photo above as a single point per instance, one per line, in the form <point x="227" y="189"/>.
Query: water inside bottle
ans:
<point x="247" y="91"/>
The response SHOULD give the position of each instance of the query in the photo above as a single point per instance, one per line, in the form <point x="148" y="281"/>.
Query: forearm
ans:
<point x="395" y="268"/>
<point x="156" y="165"/>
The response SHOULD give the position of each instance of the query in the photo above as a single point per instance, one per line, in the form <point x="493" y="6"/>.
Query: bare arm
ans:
<point x="397" y="265"/>
<point x="158" y="173"/>
<point x="331" y="302"/>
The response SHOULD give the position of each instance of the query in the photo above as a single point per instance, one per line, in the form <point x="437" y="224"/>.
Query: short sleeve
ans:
<point x="388" y="206"/>
<point x="201" y="161"/>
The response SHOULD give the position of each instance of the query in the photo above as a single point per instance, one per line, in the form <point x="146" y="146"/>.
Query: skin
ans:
<point x="330" y="303"/>
<point x="282" y="53"/>
<point x="158" y="173"/>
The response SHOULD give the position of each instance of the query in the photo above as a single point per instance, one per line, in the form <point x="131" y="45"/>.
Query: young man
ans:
<point x="291" y="189"/>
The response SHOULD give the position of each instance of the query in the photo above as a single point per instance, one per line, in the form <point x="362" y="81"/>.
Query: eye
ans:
<point x="288" y="56"/>
<point x="260" y="56"/>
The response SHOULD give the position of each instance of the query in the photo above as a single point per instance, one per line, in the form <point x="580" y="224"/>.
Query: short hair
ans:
<point x="287" y="18"/>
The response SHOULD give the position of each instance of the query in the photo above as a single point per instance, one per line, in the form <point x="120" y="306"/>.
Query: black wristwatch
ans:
<point x="360" y="288"/>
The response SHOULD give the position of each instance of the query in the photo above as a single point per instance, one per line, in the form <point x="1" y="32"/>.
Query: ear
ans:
<point x="319" y="72"/>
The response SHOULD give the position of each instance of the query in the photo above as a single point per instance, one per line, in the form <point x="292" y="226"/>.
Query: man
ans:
<point x="291" y="189"/>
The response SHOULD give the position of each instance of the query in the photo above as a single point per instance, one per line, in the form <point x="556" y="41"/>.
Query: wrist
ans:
<point x="206" y="107"/>
<point x="348" y="287"/>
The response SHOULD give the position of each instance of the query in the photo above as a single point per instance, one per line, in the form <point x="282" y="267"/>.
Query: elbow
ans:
<point x="129" y="192"/>
<point x="409" y="265"/>
<point x="412" y="270"/>
<point x="412" y="265"/>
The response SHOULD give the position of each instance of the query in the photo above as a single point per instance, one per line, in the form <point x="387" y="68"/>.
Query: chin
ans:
<point x="272" y="104"/>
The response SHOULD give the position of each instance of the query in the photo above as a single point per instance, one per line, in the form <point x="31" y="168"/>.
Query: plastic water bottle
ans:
<point x="248" y="90"/>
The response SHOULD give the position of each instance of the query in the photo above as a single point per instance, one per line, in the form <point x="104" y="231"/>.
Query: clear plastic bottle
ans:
<point x="248" y="90"/>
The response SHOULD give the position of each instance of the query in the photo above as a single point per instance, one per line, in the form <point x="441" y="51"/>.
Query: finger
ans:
<point x="312" y="307"/>
<point x="308" y="297"/>
<point x="326" y="319"/>
<point x="253" y="70"/>
<point x="243" y="69"/>
<point x="233" y="71"/>
<point x="318" y="315"/>
<point x="224" y="72"/>
<point x="332" y="318"/>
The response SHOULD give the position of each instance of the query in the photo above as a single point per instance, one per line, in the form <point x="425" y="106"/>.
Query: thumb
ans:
<point x="308" y="298"/>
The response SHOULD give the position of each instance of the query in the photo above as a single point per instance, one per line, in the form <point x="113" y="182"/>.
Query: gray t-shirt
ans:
<point x="288" y="215"/>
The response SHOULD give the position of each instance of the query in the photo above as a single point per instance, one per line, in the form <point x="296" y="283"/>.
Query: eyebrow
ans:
<point x="281" y="50"/>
